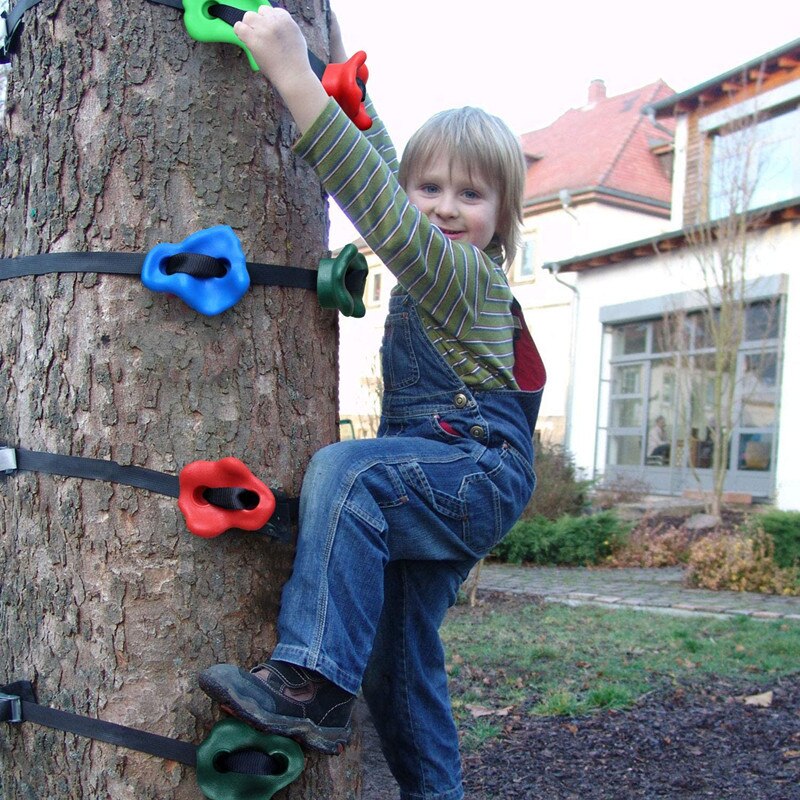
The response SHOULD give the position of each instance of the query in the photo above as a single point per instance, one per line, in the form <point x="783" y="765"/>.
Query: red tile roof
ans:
<point x="604" y="145"/>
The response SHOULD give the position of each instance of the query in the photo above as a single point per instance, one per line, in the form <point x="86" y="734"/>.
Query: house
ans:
<point x="642" y="402"/>
<point x="597" y="175"/>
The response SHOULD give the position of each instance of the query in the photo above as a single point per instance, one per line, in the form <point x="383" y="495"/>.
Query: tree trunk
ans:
<point x="122" y="132"/>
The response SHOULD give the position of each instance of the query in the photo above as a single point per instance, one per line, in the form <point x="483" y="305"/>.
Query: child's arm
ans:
<point x="454" y="283"/>
<point x="279" y="48"/>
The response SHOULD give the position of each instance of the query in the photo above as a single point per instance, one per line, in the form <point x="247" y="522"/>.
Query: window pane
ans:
<point x="664" y="336"/>
<point x="627" y="379"/>
<point x="758" y="390"/>
<point x="729" y="173"/>
<point x="755" y="164"/>
<point x="661" y="412"/>
<point x="703" y="409"/>
<point x="628" y="339"/>
<point x="777" y="168"/>
<point x="625" y="450"/>
<point x="761" y="321"/>
<point x="755" y="451"/>
<point x="703" y="333"/>
<point x="626" y="413"/>
<point x="662" y="387"/>
<point x="526" y="260"/>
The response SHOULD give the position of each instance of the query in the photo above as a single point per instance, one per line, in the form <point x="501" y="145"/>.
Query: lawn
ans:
<point x="563" y="660"/>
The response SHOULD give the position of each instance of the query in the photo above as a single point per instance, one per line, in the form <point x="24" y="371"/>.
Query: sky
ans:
<point x="529" y="62"/>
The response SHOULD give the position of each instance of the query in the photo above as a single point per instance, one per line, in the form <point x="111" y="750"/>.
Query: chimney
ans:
<point x="597" y="91"/>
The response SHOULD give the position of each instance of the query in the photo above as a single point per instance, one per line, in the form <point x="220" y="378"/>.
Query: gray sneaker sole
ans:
<point x="240" y="698"/>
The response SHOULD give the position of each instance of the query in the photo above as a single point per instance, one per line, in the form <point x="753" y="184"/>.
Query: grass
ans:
<point x="559" y="660"/>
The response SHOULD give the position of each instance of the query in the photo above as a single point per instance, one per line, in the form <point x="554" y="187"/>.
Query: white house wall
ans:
<point x="591" y="226"/>
<point x="549" y="305"/>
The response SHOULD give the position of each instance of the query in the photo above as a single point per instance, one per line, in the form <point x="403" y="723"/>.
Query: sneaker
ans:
<point x="285" y="699"/>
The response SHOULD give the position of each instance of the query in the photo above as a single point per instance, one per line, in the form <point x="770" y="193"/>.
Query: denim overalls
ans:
<point x="390" y="528"/>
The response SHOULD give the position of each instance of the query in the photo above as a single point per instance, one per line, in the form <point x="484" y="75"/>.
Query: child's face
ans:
<point x="465" y="208"/>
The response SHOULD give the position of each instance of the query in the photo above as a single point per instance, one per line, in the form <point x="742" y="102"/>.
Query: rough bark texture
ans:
<point x="122" y="132"/>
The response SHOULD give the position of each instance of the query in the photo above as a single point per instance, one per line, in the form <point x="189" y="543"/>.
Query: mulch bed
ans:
<point x="682" y="743"/>
<point x="698" y="742"/>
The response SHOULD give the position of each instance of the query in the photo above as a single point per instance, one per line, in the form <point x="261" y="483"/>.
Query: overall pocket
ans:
<point x="400" y="368"/>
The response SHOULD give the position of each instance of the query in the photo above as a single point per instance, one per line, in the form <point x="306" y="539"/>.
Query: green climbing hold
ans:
<point x="230" y="736"/>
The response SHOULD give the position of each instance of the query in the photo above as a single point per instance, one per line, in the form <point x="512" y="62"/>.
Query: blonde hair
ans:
<point x="481" y="144"/>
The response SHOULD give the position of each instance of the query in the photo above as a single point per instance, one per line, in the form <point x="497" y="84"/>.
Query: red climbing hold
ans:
<point x="218" y="495"/>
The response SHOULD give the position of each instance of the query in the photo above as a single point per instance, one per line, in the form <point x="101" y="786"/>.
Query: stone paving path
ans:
<point x="652" y="589"/>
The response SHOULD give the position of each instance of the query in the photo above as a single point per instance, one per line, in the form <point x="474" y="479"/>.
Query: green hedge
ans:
<point x="567" y="541"/>
<point x="784" y="528"/>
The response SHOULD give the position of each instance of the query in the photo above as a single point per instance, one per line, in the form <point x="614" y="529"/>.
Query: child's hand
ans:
<point x="276" y="43"/>
<point x="279" y="48"/>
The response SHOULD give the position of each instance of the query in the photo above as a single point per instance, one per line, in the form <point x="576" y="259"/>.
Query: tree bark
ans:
<point x="122" y="132"/>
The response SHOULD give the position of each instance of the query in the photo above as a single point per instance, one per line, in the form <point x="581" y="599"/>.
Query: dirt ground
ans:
<point x="684" y="743"/>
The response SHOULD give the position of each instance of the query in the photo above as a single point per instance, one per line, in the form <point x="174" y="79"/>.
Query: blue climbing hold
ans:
<point x="207" y="270"/>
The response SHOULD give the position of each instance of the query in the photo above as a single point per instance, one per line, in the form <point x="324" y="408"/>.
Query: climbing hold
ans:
<point x="346" y="84"/>
<point x="207" y="270"/>
<point x="218" y="495"/>
<point x="341" y="281"/>
<point x="217" y="774"/>
<point x="203" y="26"/>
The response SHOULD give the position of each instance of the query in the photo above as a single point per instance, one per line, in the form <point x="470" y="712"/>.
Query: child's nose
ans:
<point x="446" y="207"/>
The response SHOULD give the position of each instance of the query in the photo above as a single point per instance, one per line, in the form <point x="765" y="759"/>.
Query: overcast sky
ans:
<point x="529" y="62"/>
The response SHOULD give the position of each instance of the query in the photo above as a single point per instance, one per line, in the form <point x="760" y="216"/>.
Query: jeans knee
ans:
<point x="330" y="464"/>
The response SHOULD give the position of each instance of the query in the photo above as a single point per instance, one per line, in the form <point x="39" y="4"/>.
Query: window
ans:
<point x="627" y="403"/>
<point x="755" y="162"/>
<point x="372" y="295"/>
<point x="376" y="287"/>
<point x="662" y="401"/>
<point x="525" y="262"/>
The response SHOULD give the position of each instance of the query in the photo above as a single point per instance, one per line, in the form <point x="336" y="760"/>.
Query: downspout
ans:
<point x="553" y="268"/>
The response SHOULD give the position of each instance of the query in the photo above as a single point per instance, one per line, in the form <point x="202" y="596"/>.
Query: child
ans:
<point x="390" y="527"/>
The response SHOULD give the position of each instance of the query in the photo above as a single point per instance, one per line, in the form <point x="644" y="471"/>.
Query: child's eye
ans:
<point x="429" y="188"/>
<point x="471" y="194"/>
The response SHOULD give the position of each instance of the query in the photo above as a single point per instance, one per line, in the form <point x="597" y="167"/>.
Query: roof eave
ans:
<point x="667" y="106"/>
<point x="601" y="194"/>
<point x="671" y="240"/>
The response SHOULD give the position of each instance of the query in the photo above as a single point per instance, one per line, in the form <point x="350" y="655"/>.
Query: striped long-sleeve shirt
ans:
<point x="461" y="292"/>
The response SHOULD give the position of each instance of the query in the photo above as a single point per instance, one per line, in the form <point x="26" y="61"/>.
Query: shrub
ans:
<point x="784" y="529"/>
<point x="740" y="562"/>
<point x="559" y="490"/>
<point x="567" y="541"/>
<point x="659" y="545"/>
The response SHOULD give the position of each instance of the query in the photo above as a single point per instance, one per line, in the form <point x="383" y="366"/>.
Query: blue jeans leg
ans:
<point x="405" y="684"/>
<point x="365" y="503"/>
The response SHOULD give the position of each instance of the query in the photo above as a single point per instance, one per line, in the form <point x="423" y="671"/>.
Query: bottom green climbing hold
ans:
<point x="230" y="737"/>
